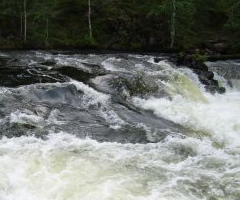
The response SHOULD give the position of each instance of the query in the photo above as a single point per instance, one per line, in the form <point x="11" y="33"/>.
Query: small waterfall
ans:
<point x="116" y="127"/>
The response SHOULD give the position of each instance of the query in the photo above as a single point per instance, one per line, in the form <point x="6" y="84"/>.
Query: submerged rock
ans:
<point x="134" y="85"/>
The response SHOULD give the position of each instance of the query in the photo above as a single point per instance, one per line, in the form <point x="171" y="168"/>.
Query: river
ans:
<point x="116" y="127"/>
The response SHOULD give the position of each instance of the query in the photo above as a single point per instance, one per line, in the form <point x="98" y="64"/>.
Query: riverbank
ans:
<point x="205" y="54"/>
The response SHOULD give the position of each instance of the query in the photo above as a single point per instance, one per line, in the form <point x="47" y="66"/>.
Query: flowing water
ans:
<point x="116" y="127"/>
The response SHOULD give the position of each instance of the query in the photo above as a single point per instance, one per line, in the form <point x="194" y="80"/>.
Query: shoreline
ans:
<point x="69" y="51"/>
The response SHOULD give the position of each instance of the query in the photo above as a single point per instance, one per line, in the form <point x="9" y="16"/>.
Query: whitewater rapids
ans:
<point x="43" y="156"/>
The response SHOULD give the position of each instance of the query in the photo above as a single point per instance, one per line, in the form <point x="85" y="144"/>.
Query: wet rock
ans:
<point x="208" y="74"/>
<point x="191" y="62"/>
<point x="14" y="73"/>
<point x="102" y="83"/>
<point x="214" y="89"/>
<point x="220" y="47"/>
<point x="229" y="69"/>
<point x="59" y="95"/>
<point x="48" y="63"/>
<point x="96" y="69"/>
<point x="157" y="60"/>
<point x="196" y="63"/>
<point x="221" y="90"/>
<point x="207" y="78"/>
<point x="79" y="74"/>
<point x="133" y="85"/>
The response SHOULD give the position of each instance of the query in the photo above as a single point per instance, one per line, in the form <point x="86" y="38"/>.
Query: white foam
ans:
<point x="162" y="63"/>
<point x="74" y="62"/>
<point x="44" y="55"/>
<point x="52" y="119"/>
<point x="4" y="91"/>
<point x="92" y="97"/>
<point x="66" y="167"/>
<point x="108" y="64"/>
<point x="3" y="54"/>
<point x="25" y="118"/>
<point x="219" y="116"/>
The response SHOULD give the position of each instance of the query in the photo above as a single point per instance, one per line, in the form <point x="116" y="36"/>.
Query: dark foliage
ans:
<point x="121" y="24"/>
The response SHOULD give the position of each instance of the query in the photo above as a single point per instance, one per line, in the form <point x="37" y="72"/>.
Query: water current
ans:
<point x="116" y="127"/>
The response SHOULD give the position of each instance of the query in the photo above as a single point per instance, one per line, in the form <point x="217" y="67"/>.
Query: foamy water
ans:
<point x="63" y="166"/>
<point x="66" y="167"/>
<point x="219" y="117"/>
<point x="203" y="163"/>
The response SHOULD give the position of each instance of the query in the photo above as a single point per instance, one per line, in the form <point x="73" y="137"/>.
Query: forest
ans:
<point x="156" y="25"/>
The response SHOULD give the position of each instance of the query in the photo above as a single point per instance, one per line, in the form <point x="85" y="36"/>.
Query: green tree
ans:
<point x="179" y="15"/>
<point x="232" y="26"/>
<point x="151" y="24"/>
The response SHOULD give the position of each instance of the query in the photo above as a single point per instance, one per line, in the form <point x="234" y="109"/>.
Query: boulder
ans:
<point x="196" y="63"/>
<point x="220" y="47"/>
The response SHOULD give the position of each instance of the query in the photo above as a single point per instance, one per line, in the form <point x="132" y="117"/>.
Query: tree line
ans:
<point x="120" y="24"/>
